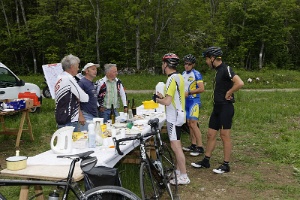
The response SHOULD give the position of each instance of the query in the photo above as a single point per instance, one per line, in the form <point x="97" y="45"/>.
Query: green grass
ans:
<point x="274" y="79"/>
<point x="266" y="127"/>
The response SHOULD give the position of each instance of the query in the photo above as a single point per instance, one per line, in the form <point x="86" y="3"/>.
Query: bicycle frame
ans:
<point x="156" y="172"/>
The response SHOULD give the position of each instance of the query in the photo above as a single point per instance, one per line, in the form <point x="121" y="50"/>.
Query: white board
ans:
<point x="51" y="71"/>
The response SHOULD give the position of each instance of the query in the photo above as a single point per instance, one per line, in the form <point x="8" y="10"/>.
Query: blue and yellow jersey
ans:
<point x="191" y="79"/>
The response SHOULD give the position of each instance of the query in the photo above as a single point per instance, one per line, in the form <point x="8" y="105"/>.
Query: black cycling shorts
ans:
<point x="221" y="116"/>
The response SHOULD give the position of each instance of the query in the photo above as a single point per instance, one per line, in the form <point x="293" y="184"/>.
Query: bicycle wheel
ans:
<point x="110" y="193"/>
<point x="2" y="197"/>
<point x="148" y="185"/>
<point x="168" y="164"/>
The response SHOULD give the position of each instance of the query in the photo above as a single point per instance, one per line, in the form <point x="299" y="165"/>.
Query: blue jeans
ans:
<point x="74" y="124"/>
<point x="88" y="117"/>
<point x="106" y="114"/>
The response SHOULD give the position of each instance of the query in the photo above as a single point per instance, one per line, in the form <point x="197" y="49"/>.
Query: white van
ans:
<point x="11" y="86"/>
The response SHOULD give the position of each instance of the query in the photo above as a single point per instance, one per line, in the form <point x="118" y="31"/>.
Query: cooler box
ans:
<point x="30" y="95"/>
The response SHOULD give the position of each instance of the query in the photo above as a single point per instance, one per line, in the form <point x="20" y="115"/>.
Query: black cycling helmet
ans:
<point x="189" y="58"/>
<point x="172" y="59"/>
<point x="212" y="51"/>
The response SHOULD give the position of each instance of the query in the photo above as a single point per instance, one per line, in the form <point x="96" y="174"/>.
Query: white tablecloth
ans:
<point x="106" y="156"/>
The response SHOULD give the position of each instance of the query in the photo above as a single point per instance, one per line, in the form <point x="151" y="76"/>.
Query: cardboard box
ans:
<point x="29" y="103"/>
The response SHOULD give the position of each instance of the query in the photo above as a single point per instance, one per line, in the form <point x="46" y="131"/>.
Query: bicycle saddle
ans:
<point x="153" y="122"/>
<point x="79" y="155"/>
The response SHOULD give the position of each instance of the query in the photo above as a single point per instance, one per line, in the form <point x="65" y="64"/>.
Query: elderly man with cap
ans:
<point x="89" y="109"/>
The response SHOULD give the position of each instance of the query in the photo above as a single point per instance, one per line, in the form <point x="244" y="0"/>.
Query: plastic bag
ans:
<point x="181" y="118"/>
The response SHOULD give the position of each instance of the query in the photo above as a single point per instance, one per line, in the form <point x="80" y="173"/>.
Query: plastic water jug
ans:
<point x="64" y="140"/>
<point x="160" y="87"/>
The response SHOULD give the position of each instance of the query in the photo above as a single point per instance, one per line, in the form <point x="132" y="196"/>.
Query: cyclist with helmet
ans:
<point x="174" y="100"/>
<point x="225" y="84"/>
<point x="193" y="87"/>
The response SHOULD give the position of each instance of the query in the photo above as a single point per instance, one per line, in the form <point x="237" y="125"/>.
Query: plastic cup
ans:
<point x="123" y="133"/>
<point x="113" y="133"/>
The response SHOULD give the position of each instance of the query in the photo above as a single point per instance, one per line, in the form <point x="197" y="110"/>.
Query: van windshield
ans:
<point x="7" y="79"/>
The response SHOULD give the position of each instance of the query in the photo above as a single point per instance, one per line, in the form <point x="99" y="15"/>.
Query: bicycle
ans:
<point x="87" y="163"/>
<point x="155" y="175"/>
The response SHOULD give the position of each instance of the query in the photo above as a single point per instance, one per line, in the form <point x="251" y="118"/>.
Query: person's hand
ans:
<point x="81" y="120"/>
<point x="186" y="94"/>
<point x="160" y="96"/>
<point x="101" y="109"/>
<point x="228" y="96"/>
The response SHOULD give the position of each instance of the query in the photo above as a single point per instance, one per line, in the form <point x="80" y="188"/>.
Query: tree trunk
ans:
<point x="17" y="14"/>
<point x="6" y="20"/>
<point x="261" y="55"/>
<point x="137" y="37"/>
<point x="30" y="40"/>
<point x="8" y="29"/>
<point x="97" y="17"/>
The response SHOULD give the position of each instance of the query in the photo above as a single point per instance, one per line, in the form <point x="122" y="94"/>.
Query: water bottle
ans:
<point x="92" y="135"/>
<point x="53" y="196"/>
<point x="158" y="165"/>
<point x="160" y="87"/>
<point x="156" y="169"/>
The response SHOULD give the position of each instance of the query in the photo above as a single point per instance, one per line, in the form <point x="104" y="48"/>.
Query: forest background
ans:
<point x="135" y="34"/>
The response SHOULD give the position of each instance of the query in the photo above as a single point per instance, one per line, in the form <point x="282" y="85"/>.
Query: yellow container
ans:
<point x="16" y="163"/>
<point x="103" y="128"/>
<point x="150" y="104"/>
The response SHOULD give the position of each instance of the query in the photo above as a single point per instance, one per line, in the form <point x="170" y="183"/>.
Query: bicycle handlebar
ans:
<point x="154" y="126"/>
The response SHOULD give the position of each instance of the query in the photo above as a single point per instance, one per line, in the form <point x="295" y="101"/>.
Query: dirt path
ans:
<point x="247" y="90"/>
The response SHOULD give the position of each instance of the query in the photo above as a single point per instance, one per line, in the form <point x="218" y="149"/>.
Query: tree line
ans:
<point x="253" y="34"/>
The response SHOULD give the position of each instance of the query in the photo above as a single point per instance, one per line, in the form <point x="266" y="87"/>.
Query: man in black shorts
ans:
<point x="225" y="84"/>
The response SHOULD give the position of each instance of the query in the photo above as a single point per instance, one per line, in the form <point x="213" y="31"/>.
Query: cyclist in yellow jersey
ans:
<point x="175" y="112"/>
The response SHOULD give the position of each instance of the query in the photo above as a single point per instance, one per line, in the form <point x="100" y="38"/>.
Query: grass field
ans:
<point x="265" y="133"/>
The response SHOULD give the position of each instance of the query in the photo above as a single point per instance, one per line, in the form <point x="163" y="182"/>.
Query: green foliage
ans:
<point x="242" y="28"/>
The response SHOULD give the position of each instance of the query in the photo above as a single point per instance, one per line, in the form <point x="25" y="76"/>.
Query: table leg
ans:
<point x="2" y="123"/>
<point x="38" y="189"/>
<point x="25" y="115"/>
<point x="20" y="128"/>
<point x="29" y="125"/>
<point x="24" y="192"/>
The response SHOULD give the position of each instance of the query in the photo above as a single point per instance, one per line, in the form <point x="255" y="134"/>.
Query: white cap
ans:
<point x="89" y="65"/>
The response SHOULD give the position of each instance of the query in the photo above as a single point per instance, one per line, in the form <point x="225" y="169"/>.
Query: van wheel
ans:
<point x="46" y="92"/>
<point x="35" y="109"/>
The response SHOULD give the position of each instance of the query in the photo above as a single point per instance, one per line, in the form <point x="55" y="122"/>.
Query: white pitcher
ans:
<point x="63" y="140"/>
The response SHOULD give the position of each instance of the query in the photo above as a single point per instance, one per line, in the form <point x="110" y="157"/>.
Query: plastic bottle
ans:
<point x="160" y="87"/>
<point x="98" y="132"/>
<point x="129" y="114"/>
<point x="53" y="196"/>
<point x="92" y="135"/>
